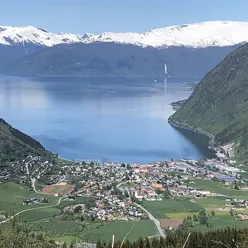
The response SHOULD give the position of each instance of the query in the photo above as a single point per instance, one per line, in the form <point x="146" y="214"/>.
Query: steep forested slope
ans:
<point x="219" y="103"/>
<point x="15" y="145"/>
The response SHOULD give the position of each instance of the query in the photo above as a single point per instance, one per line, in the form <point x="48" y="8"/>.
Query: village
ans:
<point x="117" y="191"/>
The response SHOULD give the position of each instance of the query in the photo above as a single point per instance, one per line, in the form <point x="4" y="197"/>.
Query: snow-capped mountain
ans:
<point x="199" y="35"/>
<point x="33" y="51"/>
<point x="37" y="36"/>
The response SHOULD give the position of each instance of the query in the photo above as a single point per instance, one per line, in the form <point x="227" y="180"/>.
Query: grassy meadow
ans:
<point x="160" y="209"/>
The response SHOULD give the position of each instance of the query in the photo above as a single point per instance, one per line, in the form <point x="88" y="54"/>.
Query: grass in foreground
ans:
<point x="92" y="232"/>
<point x="142" y="228"/>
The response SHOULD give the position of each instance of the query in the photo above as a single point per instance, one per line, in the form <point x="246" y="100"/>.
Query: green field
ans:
<point x="57" y="227"/>
<point x="91" y="232"/>
<point x="160" y="209"/>
<point x="142" y="228"/>
<point x="39" y="214"/>
<point x="179" y="215"/>
<point x="42" y="219"/>
<point x="12" y="194"/>
<point x="78" y="200"/>
<point x="221" y="221"/>
<point x="216" y="187"/>
<point x="211" y="202"/>
<point x="186" y="214"/>
<point x="124" y="185"/>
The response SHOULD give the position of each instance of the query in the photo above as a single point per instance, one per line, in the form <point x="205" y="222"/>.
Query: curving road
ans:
<point x="30" y="209"/>
<point x="33" y="180"/>
<point x="156" y="222"/>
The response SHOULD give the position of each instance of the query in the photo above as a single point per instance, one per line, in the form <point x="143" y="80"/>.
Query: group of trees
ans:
<point x="15" y="145"/>
<point x="17" y="235"/>
<point x="201" y="219"/>
<point x="224" y="238"/>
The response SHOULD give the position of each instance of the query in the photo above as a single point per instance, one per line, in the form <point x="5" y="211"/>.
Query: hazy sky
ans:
<point x="96" y="16"/>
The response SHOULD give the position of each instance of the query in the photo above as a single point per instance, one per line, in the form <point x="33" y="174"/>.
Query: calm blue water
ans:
<point x="122" y="120"/>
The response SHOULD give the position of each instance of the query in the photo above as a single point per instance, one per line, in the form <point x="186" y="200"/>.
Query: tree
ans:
<point x="155" y="243"/>
<point x="72" y="244"/>
<point x="187" y="223"/>
<point x="236" y="185"/>
<point x="140" y="243"/>
<point x="127" y="244"/>
<point x="212" y="213"/>
<point x="158" y="191"/>
<point x="203" y="217"/>
<point x="126" y="194"/>
<point x="167" y="194"/>
<point x="92" y="217"/>
<point x="90" y="203"/>
<point x="161" y="242"/>
<point x="195" y="218"/>
<point x="99" y="244"/>
<point x="64" y="245"/>
<point x="129" y="167"/>
<point x="147" y="243"/>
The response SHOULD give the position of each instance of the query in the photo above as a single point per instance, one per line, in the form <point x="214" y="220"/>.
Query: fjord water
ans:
<point x="110" y="119"/>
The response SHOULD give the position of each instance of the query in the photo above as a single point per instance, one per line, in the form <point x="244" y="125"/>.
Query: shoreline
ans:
<point x="220" y="151"/>
<point x="192" y="129"/>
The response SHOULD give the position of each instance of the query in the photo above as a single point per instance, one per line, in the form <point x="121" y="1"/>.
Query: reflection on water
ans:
<point x="199" y="140"/>
<point x="99" y="118"/>
<point x="165" y="86"/>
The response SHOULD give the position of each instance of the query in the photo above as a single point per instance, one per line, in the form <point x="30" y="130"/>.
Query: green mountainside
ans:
<point x="219" y="104"/>
<point x="91" y="60"/>
<point x="111" y="59"/>
<point x="15" y="145"/>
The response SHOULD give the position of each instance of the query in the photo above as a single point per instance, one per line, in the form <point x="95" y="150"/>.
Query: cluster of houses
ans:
<point x="184" y="190"/>
<point x="148" y="193"/>
<point x="114" y="185"/>
<point x="243" y="217"/>
<point x="147" y="181"/>
<point x="34" y="201"/>
<point x="23" y="171"/>
<point x="109" y="209"/>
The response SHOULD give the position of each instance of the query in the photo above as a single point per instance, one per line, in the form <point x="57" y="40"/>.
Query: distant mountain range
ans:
<point x="198" y="35"/>
<point x="188" y="50"/>
<point x="10" y="36"/>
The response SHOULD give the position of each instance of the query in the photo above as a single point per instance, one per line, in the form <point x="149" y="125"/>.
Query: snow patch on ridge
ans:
<point x="34" y="35"/>
<point x="205" y="34"/>
<point x="198" y="35"/>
